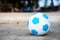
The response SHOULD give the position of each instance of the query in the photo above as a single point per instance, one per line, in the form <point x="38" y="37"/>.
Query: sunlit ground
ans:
<point x="14" y="27"/>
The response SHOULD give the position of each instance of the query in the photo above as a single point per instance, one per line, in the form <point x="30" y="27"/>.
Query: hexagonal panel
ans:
<point x="45" y="27"/>
<point x="45" y="16"/>
<point x="34" y="32"/>
<point x="35" y="20"/>
<point x="27" y="23"/>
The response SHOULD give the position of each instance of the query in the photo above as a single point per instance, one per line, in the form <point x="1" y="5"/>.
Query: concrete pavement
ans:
<point x="20" y="31"/>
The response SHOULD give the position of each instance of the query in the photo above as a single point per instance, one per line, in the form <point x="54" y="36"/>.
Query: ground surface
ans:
<point x="20" y="31"/>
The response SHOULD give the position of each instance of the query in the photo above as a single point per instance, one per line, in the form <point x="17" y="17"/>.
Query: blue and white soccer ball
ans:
<point x="38" y="24"/>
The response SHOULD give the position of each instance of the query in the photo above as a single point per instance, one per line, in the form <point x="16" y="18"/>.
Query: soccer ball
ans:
<point x="38" y="24"/>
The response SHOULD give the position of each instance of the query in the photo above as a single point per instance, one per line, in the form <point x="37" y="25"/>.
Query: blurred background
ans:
<point x="29" y="5"/>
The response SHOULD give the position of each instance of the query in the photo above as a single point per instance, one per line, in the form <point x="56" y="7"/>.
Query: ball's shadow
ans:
<point x="38" y="35"/>
<point x="47" y="34"/>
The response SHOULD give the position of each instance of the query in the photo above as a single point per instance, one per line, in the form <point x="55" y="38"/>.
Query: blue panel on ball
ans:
<point x="34" y="32"/>
<point x="35" y="20"/>
<point x="45" y="16"/>
<point x="45" y="27"/>
<point x="27" y="23"/>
